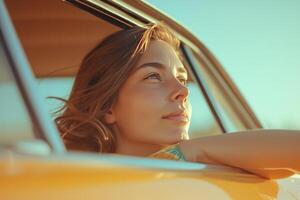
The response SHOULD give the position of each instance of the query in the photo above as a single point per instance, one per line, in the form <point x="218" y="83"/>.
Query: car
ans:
<point x="42" y="44"/>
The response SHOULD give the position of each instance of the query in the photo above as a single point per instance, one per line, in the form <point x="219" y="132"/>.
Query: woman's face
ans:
<point x="152" y="106"/>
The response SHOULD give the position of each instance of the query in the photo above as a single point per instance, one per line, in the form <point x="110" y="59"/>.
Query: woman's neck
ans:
<point x="132" y="148"/>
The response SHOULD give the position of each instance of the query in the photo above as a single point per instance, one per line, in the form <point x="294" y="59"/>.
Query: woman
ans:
<point x="130" y="97"/>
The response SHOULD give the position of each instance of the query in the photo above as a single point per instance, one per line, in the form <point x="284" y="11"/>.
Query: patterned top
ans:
<point x="170" y="152"/>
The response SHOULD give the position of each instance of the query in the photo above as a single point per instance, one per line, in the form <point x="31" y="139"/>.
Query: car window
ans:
<point x="226" y="109"/>
<point x="24" y="125"/>
<point x="15" y="121"/>
<point x="18" y="132"/>
<point x="51" y="77"/>
<point x="203" y="121"/>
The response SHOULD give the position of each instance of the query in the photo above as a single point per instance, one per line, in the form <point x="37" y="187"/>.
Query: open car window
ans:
<point x="56" y="45"/>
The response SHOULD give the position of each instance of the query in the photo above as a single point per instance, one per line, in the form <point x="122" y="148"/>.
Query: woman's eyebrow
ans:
<point x="181" y="70"/>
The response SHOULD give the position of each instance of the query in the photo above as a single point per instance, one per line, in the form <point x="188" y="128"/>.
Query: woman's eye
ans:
<point x="154" y="76"/>
<point x="183" y="81"/>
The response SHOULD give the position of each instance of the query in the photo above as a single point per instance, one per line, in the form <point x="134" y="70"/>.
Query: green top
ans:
<point x="172" y="152"/>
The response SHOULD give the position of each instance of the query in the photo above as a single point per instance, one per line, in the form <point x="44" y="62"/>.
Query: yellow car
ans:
<point x="42" y="44"/>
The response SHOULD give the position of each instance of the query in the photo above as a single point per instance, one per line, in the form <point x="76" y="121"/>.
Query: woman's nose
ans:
<point x="180" y="93"/>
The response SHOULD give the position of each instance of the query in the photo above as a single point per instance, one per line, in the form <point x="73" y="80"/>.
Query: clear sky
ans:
<point x="258" y="43"/>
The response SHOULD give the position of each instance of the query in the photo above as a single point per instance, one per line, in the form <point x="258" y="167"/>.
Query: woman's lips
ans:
<point x="178" y="117"/>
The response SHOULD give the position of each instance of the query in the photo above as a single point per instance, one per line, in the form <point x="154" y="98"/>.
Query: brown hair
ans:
<point x="102" y="73"/>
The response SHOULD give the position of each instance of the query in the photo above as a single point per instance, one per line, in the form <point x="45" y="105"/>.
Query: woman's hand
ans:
<point x="267" y="153"/>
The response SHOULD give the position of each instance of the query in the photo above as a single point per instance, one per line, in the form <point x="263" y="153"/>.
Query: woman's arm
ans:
<point x="267" y="153"/>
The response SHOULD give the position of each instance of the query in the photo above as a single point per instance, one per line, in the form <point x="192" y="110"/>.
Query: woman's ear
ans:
<point x="110" y="117"/>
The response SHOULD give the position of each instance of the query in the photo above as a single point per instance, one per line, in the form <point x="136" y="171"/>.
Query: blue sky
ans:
<point x="258" y="43"/>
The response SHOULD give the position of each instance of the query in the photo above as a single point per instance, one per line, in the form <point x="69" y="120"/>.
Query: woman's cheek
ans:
<point x="150" y="94"/>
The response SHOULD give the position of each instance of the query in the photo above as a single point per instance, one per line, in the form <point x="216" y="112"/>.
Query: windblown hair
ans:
<point x="102" y="73"/>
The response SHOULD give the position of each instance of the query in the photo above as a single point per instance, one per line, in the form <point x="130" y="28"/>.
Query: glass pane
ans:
<point x="15" y="121"/>
<point x="224" y="105"/>
<point x="203" y="122"/>
<point x="223" y="99"/>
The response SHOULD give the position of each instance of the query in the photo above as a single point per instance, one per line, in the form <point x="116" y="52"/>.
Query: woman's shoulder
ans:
<point x="171" y="152"/>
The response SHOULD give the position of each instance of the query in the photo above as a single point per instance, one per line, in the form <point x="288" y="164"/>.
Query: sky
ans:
<point x="258" y="44"/>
